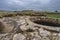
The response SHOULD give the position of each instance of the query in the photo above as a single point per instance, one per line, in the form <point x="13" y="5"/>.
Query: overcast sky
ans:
<point x="30" y="4"/>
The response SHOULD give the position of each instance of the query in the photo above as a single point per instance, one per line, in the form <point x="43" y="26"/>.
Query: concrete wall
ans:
<point x="57" y="21"/>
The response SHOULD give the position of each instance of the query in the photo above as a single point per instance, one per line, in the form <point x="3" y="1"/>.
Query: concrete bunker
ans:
<point x="46" y="21"/>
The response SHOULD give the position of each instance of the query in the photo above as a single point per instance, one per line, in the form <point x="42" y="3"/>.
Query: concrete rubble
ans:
<point x="38" y="33"/>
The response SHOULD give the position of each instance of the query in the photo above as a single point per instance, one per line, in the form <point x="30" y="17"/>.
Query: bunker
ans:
<point x="46" y="21"/>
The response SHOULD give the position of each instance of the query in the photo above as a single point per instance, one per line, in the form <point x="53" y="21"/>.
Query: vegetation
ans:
<point x="55" y="14"/>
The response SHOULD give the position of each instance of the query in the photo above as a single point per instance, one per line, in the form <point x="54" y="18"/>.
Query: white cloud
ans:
<point x="15" y="2"/>
<point x="45" y="1"/>
<point x="26" y="2"/>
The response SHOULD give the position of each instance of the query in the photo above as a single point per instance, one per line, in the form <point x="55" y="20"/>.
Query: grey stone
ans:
<point x="19" y="37"/>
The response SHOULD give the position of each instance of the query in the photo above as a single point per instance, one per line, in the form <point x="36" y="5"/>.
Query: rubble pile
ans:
<point x="28" y="30"/>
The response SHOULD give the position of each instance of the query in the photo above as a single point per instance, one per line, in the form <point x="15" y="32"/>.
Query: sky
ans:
<point x="50" y="5"/>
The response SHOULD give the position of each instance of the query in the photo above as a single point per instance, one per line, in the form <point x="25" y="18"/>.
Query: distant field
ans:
<point x="53" y="15"/>
<point x="30" y="12"/>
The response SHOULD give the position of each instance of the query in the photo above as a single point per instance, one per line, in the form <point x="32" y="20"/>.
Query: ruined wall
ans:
<point x="28" y="31"/>
<point x="56" y="21"/>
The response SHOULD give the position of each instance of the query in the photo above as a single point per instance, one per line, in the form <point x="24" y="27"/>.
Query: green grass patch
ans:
<point x="53" y="15"/>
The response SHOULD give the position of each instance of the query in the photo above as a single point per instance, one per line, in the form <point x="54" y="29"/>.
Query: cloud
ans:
<point x="27" y="2"/>
<point x="30" y="4"/>
<point x="45" y="1"/>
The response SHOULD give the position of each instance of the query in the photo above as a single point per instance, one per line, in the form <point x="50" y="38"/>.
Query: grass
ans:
<point x="53" y="15"/>
<point x="29" y="12"/>
<point x="24" y="12"/>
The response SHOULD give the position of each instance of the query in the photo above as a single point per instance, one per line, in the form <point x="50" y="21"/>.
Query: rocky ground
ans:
<point x="26" y="30"/>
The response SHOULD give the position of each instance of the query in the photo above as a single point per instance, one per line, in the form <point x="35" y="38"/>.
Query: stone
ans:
<point x="19" y="37"/>
<point x="38" y="33"/>
<point x="44" y="32"/>
<point x="36" y="36"/>
<point x="45" y="38"/>
<point x="23" y="27"/>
